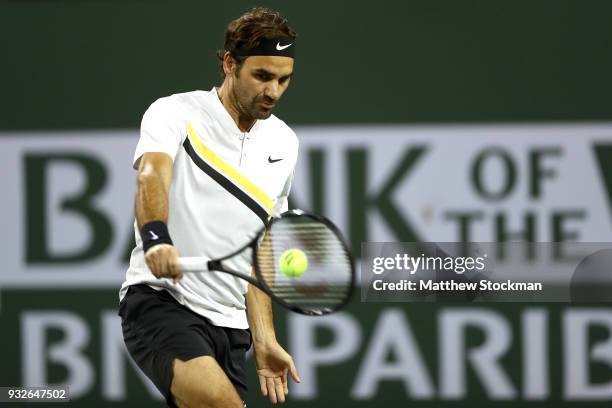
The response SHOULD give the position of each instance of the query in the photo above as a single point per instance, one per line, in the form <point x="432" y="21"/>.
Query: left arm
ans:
<point x="271" y="359"/>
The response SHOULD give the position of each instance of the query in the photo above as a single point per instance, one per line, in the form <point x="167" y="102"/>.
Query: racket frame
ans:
<point x="259" y="282"/>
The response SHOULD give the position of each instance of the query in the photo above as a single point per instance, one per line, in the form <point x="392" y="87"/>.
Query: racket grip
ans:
<point x="193" y="264"/>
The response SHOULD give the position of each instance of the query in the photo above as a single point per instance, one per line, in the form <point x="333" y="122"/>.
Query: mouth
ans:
<point x="267" y="105"/>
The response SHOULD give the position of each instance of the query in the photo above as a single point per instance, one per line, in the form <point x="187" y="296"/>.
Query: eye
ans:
<point x="263" y="76"/>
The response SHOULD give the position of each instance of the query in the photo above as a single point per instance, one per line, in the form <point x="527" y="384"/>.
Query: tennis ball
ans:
<point x="293" y="263"/>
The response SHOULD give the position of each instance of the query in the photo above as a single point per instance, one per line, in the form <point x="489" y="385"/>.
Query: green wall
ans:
<point x="77" y="64"/>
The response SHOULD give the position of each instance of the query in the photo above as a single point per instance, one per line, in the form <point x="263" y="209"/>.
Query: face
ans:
<point x="259" y="84"/>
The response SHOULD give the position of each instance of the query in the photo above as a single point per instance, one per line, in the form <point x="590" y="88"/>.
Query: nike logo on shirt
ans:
<point x="282" y="47"/>
<point x="271" y="160"/>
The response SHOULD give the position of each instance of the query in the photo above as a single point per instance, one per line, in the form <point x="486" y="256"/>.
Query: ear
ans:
<point x="228" y="63"/>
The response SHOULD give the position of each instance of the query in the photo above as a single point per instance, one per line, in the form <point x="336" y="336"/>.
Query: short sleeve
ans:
<point x="161" y="129"/>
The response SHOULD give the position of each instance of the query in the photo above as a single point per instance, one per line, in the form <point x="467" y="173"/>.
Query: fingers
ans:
<point x="162" y="260"/>
<point x="274" y="388"/>
<point x="285" y="385"/>
<point x="293" y="371"/>
<point x="173" y="268"/>
<point x="262" y="386"/>
<point x="273" y="367"/>
<point x="152" y="259"/>
<point x="280" y="392"/>
<point x="271" y="389"/>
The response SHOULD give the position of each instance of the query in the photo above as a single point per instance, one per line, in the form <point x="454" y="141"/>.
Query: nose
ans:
<point x="272" y="90"/>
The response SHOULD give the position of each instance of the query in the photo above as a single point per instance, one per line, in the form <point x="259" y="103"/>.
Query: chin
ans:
<point x="264" y="115"/>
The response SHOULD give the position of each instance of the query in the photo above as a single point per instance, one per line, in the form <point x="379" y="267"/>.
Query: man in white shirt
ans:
<point x="213" y="167"/>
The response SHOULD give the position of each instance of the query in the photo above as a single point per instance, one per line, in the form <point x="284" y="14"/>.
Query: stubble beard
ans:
<point x="250" y="110"/>
<point x="254" y="112"/>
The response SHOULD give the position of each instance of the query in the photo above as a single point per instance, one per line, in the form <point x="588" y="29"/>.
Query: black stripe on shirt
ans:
<point x="226" y="183"/>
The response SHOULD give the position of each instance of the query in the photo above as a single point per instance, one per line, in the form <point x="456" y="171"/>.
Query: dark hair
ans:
<point x="249" y="29"/>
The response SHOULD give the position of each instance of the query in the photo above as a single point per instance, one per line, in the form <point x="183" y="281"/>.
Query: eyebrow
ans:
<point x="263" y="71"/>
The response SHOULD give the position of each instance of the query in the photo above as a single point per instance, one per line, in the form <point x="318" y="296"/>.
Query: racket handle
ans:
<point x="193" y="264"/>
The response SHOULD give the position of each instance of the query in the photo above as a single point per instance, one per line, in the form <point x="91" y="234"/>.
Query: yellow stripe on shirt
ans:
<point x="228" y="171"/>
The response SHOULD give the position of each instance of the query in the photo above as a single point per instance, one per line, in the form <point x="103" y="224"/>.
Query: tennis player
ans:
<point x="213" y="166"/>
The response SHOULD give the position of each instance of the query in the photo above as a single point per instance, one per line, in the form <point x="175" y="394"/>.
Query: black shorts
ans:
<point x="157" y="329"/>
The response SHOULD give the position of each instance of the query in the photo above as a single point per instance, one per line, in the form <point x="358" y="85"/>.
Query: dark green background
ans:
<point x="76" y="64"/>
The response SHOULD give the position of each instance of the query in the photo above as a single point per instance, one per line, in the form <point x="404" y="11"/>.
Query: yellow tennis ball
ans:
<point x="293" y="263"/>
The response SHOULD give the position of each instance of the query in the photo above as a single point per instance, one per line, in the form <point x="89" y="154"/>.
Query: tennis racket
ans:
<point x="324" y="287"/>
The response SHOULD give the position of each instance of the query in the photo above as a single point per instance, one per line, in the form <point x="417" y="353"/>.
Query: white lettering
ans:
<point x="484" y="358"/>
<point x="306" y="354"/>
<point x="393" y="333"/>
<point x="576" y="324"/>
<point x="68" y="352"/>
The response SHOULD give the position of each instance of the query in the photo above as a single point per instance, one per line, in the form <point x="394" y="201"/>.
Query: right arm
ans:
<point x="153" y="185"/>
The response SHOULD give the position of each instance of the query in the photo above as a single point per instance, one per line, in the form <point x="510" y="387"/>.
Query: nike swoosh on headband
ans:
<point x="282" y="47"/>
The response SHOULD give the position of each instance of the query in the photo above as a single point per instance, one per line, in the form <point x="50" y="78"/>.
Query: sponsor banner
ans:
<point x="69" y="199"/>
<point x="71" y="193"/>
<point x="426" y="355"/>
<point x="460" y="183"/>
<point x="71" y="214"/>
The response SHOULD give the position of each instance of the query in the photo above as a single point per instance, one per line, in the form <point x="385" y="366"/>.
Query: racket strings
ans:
<point x="326" y="282"/>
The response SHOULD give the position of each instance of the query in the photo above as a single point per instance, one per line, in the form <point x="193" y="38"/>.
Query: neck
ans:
<point x="242" y="120"/>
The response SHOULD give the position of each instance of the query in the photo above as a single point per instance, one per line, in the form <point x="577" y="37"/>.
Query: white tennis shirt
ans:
<point x="225" y="184"/>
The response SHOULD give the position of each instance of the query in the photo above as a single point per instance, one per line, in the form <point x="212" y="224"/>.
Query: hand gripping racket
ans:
<point x="323" y="287"/>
